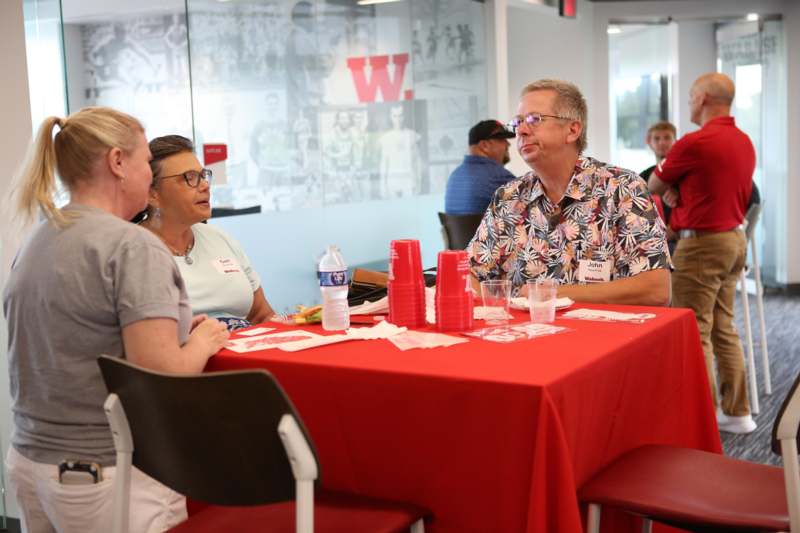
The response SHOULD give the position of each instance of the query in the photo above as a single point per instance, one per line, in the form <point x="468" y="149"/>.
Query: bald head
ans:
<point x="717" y="87"/>
<point x="711" y="96"/>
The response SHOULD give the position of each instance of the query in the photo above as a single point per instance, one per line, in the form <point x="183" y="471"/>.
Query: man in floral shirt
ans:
<point x="590" y="226"/>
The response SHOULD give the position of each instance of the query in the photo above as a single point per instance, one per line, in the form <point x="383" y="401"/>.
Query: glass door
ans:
<point x="753" y="55"/>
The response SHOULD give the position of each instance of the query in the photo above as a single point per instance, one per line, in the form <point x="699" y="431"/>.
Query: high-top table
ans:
<point x="497" y="437"/>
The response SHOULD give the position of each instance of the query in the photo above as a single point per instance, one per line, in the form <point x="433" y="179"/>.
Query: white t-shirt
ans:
<point x="220" y="281"/>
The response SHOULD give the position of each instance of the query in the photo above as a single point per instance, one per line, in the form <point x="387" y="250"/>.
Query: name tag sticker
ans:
<point x="225" y="265"/>
<point x="590" y="271"/>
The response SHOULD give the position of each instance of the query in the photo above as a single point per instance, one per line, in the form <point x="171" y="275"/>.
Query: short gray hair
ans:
<point x="569" y="103"/>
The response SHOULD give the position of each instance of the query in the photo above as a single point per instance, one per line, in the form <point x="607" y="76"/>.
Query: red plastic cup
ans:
<point x="455" y="315"/>
<point x="406" y="306"/>
<point x="405" y="262"/>
<point x="452" y="274"/>
<point x="454" y="300"/>
<point x="406" y="285"/>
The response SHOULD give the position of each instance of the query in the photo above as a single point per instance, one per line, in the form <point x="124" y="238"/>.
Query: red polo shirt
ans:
<point x="713" y="169"/>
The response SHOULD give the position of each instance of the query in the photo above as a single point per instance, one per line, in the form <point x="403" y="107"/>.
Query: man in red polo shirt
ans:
<point x="713" y="171"/>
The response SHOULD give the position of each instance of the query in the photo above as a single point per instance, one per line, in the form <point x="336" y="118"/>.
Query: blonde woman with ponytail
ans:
<point x="87" y="282"/>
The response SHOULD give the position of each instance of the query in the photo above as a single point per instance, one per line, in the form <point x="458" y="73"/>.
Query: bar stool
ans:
<point x="751" y="218"/>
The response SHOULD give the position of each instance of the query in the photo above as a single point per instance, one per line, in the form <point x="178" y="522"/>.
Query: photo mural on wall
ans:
<point x="320" y="102"/>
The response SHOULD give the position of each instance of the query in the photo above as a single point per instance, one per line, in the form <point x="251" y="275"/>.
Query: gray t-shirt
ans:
<point x="69" y="294"/>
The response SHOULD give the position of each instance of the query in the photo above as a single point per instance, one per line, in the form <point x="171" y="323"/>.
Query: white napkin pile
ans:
<point x="421" y="339"/>
<point x="480" y="312"/>
<point x="269" y="341"/>
<point x="295" y="340"/>
<point x="608" y="316"/>
<point x="521" y="302"/>
<point x="381" y="330"/>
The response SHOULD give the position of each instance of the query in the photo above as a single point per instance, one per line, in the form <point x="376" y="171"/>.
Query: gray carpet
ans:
<point x="783" y="338"/>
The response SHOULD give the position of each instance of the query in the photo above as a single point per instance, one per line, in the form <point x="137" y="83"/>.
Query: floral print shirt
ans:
<point x="606" y="214"/>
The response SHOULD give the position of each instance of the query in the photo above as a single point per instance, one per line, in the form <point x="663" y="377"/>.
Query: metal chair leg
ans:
<point x="647" y="525"/>
<point x="750" y="359"/>
<point x="762" y="325"/>
<point x="593" y="520"/>
<point x="418" y="526"/>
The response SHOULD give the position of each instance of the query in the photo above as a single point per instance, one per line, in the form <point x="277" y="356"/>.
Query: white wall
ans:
<point x="543" y="45"/>
<point x="696" y="55"/>
<point x="15" y="110"/>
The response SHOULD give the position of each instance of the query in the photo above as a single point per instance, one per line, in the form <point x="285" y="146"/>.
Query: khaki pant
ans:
<point x="47" y="506"/>
<point x="707" y="269"/>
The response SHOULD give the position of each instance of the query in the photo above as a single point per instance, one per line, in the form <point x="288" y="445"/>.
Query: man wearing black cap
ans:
<point x="472" y="184"/>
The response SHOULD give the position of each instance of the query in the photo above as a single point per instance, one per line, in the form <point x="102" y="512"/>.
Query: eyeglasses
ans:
<point x="531" y="119"/>
<point x="191" y="177"/>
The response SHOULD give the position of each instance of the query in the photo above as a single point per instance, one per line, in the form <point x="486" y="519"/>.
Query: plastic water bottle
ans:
<point x="333" y="285"/>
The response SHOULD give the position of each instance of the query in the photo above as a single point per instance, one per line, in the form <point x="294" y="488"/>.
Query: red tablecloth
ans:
<point x="497" y="437"/>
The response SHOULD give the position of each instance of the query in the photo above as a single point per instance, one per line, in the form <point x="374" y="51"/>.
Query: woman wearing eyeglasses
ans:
<point x="218" y="276"/>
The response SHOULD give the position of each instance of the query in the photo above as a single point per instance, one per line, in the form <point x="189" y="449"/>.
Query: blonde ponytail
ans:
<point x="37" y="180"/>
<point x="83" y="138"/>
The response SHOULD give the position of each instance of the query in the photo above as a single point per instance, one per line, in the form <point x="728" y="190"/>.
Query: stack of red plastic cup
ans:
<point x="454" y="299"/>
<point x="406" y="285"/>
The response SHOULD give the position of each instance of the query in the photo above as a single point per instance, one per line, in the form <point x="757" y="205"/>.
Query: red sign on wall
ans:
<point x="214" y="158"/>
<point x="568" y="8"/>
<point x="380" y="79"/>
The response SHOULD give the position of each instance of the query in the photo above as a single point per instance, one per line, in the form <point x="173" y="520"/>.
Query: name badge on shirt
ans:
<point x="226" y="265"/>
<point x="590" y="271"/>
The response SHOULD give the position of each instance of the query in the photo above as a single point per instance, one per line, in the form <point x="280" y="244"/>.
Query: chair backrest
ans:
<point x="212" y="437"/>
<point x="459" y="229"/>
<point x="752" y="216"/>
<point x="787" y="422"/>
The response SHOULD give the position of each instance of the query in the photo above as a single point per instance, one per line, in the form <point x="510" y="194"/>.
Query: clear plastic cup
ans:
<point x="496" y="296"/>
<point x="542" y="300"/>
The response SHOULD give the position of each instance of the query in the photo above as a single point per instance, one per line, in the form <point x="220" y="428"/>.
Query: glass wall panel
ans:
<point x="328" y="102"/>
<point x="133" y="58"/>
<point x="342" y="121"/>
<point x="640" y="77"/>
<point x="45" y="59"/>
<point x="753" y="55"/>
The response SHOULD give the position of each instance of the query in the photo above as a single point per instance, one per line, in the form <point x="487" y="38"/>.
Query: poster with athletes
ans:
<point x="320" y="102"/>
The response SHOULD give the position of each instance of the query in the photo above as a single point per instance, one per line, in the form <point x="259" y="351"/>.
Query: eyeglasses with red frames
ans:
<point x="531" y="119"/>
<point x="191" y="177"/>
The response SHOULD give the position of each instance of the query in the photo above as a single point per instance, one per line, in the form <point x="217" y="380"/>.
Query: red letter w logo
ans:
<point x="368" y="90"/>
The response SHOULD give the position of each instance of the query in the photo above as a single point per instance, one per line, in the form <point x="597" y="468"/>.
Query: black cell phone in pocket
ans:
<point x="79" y="473"/>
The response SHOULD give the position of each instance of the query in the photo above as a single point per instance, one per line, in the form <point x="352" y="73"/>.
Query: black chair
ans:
<point x="702" y="491"/>
<point x="458" y="230"/>
<point x="230" y="439"/>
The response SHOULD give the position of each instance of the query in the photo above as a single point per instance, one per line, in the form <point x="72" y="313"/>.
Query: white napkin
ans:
<point x="381" y="330"/>
<point x="521" y="302"/>
<point x="268" y="341"/>
<point x="608" y="316"/>
<point x="255" y="331"/>
<point x="480" y="312"/>
<point x="421" y="339"/>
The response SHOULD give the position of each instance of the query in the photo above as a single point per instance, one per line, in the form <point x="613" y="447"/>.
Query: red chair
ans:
<point x="231" y="439"/>
<point x="702" y="491"/>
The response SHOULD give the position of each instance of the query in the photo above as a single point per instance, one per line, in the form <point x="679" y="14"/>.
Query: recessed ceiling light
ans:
<point x="752" y="17"/>
<point x="613" y="30"/>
